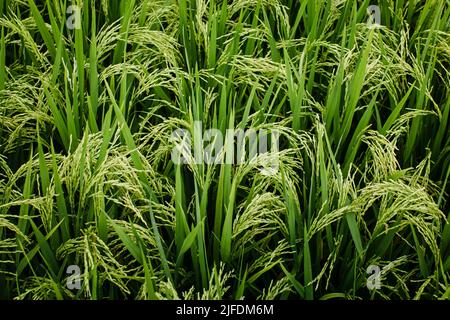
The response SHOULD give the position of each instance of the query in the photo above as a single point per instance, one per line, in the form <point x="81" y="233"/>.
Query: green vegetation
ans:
<point x="86" y="176"/>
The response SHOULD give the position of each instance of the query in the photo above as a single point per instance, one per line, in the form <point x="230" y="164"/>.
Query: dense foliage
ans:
<point x="86" y="175"/>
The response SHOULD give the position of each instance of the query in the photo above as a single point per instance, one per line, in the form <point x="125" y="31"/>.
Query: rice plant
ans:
<point x="93" y="205"/>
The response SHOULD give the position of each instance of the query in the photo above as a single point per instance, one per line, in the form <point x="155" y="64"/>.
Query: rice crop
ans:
<point x="351" y="204"/>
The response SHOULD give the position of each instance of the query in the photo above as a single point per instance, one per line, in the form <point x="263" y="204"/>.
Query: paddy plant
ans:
<point x="314" y="138"/>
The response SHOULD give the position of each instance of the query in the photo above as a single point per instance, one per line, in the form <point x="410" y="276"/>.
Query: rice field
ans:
<point x="210" y="149"/>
